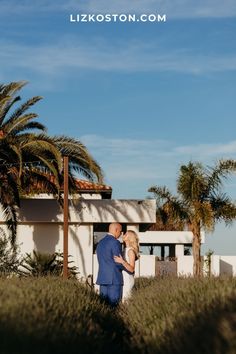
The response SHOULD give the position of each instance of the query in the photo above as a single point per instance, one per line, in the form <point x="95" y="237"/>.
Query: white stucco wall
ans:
<point x="185" y="265"/>
<point x="179" y="251"/>
<point x="48" y="238"/>
<point x="215" y="265"/>
<point x="147" y="266"/>
<point x="168" y="237"/>
<point x="228" y="265"/>
<point x="89" y="211"/>
<point x="223" y="265"/>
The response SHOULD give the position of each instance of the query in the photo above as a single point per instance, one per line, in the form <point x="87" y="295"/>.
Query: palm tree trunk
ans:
<point x="197" y="253"/>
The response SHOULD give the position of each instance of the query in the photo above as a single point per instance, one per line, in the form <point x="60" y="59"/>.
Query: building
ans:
<point x="40" y="228"/>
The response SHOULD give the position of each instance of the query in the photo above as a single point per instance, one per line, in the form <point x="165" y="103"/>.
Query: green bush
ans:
<point x="43" y="264"/>
<point x="164" y="316"/>
<point x="51" y="315"/>
<point x="183" y="316"/>
<point x="9" y="257"/>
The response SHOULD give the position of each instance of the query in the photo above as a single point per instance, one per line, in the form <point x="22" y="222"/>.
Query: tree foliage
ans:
<point x="30" y="159"/>
<point x="200" y="201"/>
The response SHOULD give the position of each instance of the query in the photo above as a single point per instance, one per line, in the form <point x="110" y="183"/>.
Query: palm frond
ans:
<point x="10" y="215"/>
<point x="6" y="103"/>
<point x="7" y="93"/>
<point x="224" y="208"/>
<point x="24" y="107"/>
<point x="11" y="127"/>
<point x="80" y="159"/>
<point x="192" y="182"/>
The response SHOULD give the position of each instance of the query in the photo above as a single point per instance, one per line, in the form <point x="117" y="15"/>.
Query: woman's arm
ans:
<point x="130" y="266"/>
<point x="116" y="250"/>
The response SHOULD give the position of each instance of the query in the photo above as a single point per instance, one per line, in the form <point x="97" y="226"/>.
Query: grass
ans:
<point x="166" y="316"/>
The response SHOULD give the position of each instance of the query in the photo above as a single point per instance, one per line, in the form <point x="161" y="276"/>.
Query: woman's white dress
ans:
<point x="128" y="278"/>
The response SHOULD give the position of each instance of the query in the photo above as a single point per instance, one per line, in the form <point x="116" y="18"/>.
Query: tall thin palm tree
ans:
<point x="30" y="158"/>
<point x="200" y="202"/>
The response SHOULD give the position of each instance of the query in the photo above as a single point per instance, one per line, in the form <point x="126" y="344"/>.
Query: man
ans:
<point x="110" y="276"/>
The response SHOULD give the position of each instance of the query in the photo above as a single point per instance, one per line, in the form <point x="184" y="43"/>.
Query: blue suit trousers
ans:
<point x="111" y="293"/>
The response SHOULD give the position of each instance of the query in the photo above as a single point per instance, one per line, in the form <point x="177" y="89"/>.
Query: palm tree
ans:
<point x="166" y="217"/>
<point x="200" y="202"/>
<point x="30" y="159"/>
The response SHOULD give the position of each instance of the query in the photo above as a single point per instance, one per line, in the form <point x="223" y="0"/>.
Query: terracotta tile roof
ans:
<point x="82" y="185"/>
<point x="90" y="186"/>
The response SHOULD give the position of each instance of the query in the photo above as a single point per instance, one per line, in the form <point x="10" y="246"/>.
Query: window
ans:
<point x="161" y="251"/>
<point x="188" y="250"/>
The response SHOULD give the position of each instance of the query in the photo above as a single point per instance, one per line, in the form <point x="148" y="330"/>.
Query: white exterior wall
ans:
<point x="185" y="265"/>
<point x="40" y="225"/>
<point x="179" y="251"/>
<point x="133" y="227"/>
<point x="48" y="238"/>
<point x="89" y="211"/>
<point x="81" y="248"/>
<point x="223" y="265"/>
<point x="220" y="265"/>
<point x="41" y="228"/>
<point x="168" y="237"/>
<point x="228" y="265"/>
<point x="147" y="266"/>
<point x="215" y="265"/>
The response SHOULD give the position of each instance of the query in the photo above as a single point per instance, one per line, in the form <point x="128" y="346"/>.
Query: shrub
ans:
<point x="183" y="316"/>
<point x="51" y="315"/>
<point x="43" y="264"/>
<point x="164" y="316"/>
<point x="9" y="258"/>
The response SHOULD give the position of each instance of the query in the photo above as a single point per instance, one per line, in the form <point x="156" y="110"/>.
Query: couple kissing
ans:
<point x="116" y="268"/>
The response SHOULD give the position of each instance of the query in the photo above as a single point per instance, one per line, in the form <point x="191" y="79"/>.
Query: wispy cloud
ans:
<point x="149" y="156"/>
<point x="137" y="164"/>
<point x="208" y="150"/>
<point x="173" y="8"/>
<point x="65" y="56"/>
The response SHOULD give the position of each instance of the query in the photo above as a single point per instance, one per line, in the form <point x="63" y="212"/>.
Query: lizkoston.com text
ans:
<point x="117" y="18"/>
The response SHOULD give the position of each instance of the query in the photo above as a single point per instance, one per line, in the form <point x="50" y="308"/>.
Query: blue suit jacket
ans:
<point x="109" y="271"/>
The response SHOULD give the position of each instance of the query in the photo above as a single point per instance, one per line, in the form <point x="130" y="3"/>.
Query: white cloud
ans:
<point x="68" y="56"/>
<point x="124" y="147"/>
<point x="173" y="8"/>
<point x="151" y="159"/>
<point x="210" y="150"/>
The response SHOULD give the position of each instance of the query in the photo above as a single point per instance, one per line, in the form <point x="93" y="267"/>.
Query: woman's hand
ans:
<point x="119" y="259"/>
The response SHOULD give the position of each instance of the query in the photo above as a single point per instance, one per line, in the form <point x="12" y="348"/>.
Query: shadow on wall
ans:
<point x="46" y="237"/>
<point x="75" y="232"/>
<point x="225" y="268"/>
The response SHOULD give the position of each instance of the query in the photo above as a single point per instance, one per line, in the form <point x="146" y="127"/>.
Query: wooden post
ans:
<point x="65" y="228"/>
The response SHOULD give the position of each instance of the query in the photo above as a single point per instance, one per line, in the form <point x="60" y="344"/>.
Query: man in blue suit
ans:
<point x="110" y="276"/>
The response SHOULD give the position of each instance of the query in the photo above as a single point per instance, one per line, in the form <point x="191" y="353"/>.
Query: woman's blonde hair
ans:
<point x="133" y="242"/>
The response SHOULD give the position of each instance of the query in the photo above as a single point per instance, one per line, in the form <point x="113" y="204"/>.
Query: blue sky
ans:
<point x="144" y="97"/>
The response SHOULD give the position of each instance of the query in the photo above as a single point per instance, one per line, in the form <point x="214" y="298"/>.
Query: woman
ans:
<point x="130" y="255"/>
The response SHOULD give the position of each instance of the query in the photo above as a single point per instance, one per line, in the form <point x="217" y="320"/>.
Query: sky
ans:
<point x="144" y="97"/>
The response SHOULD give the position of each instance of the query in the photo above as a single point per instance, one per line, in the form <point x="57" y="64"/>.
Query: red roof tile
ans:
<point x="90" y="186"/>
<point x="82" y="185"/>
